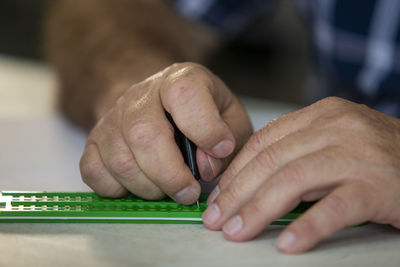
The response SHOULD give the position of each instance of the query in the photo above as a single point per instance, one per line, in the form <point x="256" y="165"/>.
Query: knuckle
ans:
<point x="122" y="164"/>
<point x="331" y="153"/>
<point x="173" y="181"/>
<point x="255" y="208"/>
<point x="89" y="168"/>
<point x="293" y="174"/>
<point x="175" y="66"/>
<point x="92" y="172"/>
<point x="198" y="72"/>
<point x="257" y="140"/>
<point x="179" y="92"/>
<point x="190" y="66"/>
<point x="351" y="118"/>
<point x="337" y="205"/>
<point x="181" y="65"/>
<point x="230" y="195"/>
<point x="331" y="101"/>
<point x="267" y="158"/>
<point x="182" y="77"/>
<point x="348" y="115"/>
<point x="229" y="174"/>
<point x="142" y="134"/>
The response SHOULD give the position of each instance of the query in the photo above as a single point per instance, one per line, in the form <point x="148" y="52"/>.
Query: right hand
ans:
<point x="132" y="147"/>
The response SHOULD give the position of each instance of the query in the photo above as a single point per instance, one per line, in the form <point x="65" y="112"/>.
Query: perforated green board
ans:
<point x="91" y="208"/>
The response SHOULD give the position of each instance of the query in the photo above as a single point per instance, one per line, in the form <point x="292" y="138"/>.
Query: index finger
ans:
<point x="150" y="137"/>
<point x="261" y="139"/>
<point x="270" y="133"/>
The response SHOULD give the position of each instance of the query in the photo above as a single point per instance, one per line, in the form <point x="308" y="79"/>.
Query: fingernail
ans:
<point x="216" y="165"/>
<point x="233" y="225"/>
<point x="210" y="168"/>
<point x="185" y="196"/>
<point x="286" y="240"/>
<point x="213" y="195"/>
<point x="212" y="214"/>
<point x="223" y="148"/>
<point x="204" y="164"/>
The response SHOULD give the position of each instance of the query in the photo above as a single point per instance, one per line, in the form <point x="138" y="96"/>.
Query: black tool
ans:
<point x="188" y="150"/>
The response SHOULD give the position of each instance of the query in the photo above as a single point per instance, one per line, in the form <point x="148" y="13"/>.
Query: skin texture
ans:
<point x="103" y="52"/>
<point x="343" y="154"/>
<point x="100" y="48"/>
<point x="133" y="148"/>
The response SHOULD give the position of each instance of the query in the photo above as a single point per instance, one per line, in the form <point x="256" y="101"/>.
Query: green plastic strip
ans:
<point x="77" y="207"/>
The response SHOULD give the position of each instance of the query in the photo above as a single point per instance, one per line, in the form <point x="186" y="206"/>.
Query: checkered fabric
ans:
<point x="355" y="43"/>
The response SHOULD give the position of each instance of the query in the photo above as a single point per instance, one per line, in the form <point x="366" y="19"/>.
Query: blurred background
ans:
<point x="269" y="61"/>
<point x="20" y="27"/>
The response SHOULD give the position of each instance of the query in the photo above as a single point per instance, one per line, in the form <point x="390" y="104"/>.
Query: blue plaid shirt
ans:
<point x="356" y="43"/>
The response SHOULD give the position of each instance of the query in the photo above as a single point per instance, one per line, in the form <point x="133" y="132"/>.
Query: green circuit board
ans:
<point x="81" y="207"/>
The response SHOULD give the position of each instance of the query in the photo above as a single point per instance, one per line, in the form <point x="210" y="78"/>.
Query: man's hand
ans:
<point x="345" y="154"/>
<point x="132" y="147"/>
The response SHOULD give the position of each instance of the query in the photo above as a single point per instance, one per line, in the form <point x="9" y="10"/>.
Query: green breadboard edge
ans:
<point x="88" y="207"/>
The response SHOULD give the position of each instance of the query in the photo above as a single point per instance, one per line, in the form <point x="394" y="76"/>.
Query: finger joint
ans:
<point x="142" y="134"/>
<point x="122" y="164"/>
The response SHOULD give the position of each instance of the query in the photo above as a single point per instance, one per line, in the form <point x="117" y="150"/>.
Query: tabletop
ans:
<point x="40" y="151"/>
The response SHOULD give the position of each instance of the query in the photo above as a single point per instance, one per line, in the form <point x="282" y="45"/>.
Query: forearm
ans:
<point x="101" y="47"/>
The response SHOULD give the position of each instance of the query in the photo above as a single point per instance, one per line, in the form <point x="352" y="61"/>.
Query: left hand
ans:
<point x="345" y="154"/>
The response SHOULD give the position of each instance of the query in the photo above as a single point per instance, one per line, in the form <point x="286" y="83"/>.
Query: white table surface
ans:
<point x="39" y="150"/>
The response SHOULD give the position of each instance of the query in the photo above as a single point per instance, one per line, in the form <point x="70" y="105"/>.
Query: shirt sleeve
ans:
<point x="228" y="17"/>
